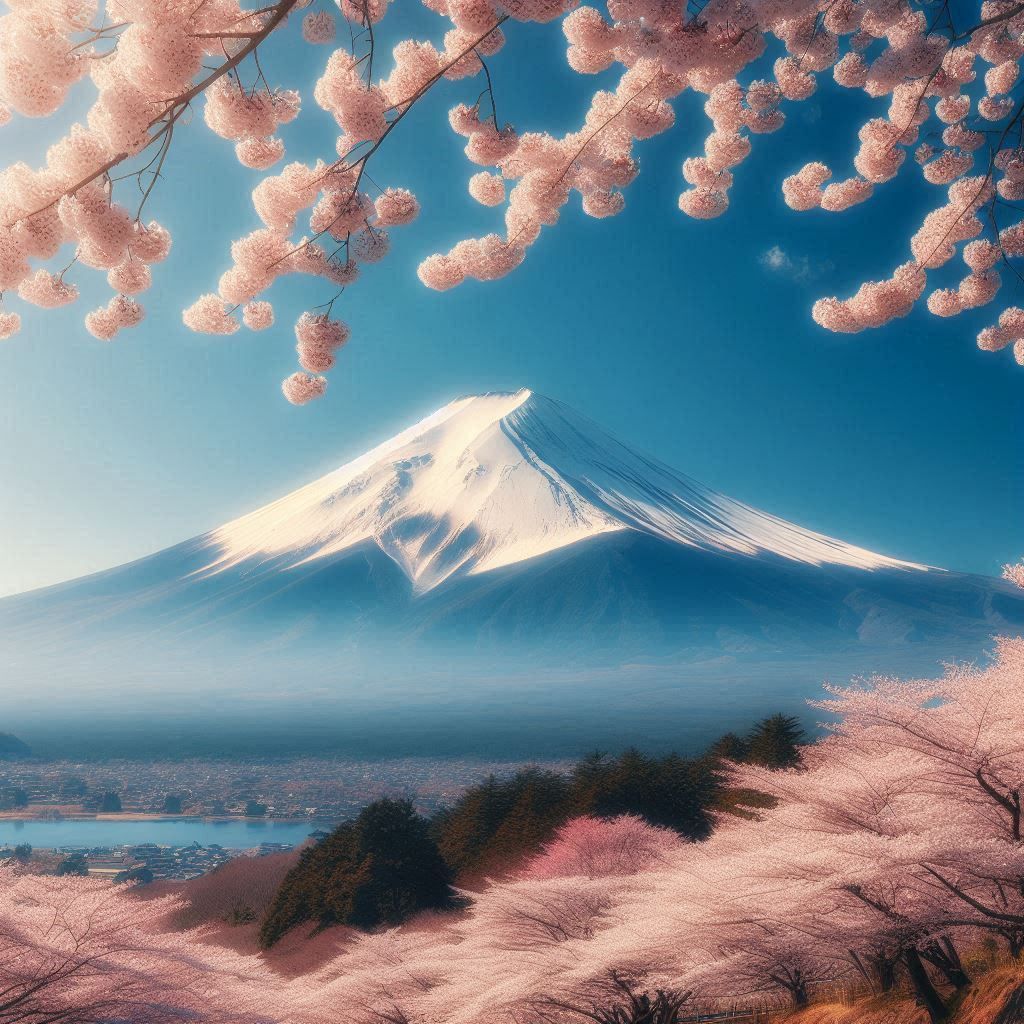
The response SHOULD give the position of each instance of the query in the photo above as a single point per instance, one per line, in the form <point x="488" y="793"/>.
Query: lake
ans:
<point x="233" y="834"/>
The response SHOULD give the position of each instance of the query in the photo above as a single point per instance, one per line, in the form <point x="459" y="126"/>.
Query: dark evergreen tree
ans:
<point x="110" y="803"/>
<point x="15" y="798"/>
<point x="500" y="820"/>
<point x="775" y="742"/>
<point x="173" y="804"/>
<point x="729" y="747"/>
<point x="671" y="791"/>
<point x="73" y="864"/>
<point x="141" y="875"/>
<point x="379" y="869"/>
<point x="540" y="806"/>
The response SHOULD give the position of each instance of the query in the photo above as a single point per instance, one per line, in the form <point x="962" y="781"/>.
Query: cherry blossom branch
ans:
<point x="176" y="106"/>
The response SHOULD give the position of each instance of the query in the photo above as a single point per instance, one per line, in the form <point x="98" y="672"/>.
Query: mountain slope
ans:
<point x="504" y="544"/>
<point x="493" y="480"/>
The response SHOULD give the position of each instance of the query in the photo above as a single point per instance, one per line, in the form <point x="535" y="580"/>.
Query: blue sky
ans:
<point x="690" y="340"/>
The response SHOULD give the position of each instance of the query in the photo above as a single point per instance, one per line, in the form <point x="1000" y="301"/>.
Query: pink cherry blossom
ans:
<point x="258" y="316"/>
<point x="371" y="245"/>
<point x="301" y="388"/>
<point x="875" y="303"/>
<point x="120" y="312"/>
<point x="802" y="191"/>
<point x="703" y="203"/>
<point x="487" y="189"/>
<point x="441" y="272"/>
<point x="596" y="848"/>
<point x="259" y="153"/>
<point x="209" y="315"/>
<point x="10" y="324"/>
<point x="395" y="206"/>
<point x="130" y="278"/>
<point x="318" y="27"/>
<point x="46" y="290"/>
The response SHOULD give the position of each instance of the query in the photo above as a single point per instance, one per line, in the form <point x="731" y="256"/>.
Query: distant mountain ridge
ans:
<point x="11" y="747"/>
<point x="504" y="541"/>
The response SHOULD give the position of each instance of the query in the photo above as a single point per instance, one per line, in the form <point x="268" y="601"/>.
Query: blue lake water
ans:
<point x="240" y="834"/>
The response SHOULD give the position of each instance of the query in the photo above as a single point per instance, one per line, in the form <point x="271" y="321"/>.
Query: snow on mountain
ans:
<point x="492" y="480"/>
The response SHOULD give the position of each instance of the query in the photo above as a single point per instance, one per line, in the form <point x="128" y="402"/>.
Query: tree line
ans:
<point x="390" y="862"/>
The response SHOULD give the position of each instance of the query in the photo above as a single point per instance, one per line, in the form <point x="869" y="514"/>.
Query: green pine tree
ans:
<point x="729" y="747"/>
<point x="379" y="869"/>
<point x="775" y="742"/>
<point x="500" y="820"/>
<point x="670" y="791"/>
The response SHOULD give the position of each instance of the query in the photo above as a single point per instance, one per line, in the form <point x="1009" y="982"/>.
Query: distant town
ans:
<point x="319" y="791"/>
<point x="143" y="862"/>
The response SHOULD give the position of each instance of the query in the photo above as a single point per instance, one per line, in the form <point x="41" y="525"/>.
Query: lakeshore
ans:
<point x="108" y="831"/>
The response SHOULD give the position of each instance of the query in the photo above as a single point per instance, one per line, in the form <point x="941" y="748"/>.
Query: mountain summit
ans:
<point x="504" y="549"/>
<point x="493" y="480"/>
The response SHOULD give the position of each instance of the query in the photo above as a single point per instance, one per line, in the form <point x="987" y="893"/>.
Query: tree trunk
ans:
<point x="943" y="956"/>
<point x="927" y="994"/>
<point x="884" y="970"/>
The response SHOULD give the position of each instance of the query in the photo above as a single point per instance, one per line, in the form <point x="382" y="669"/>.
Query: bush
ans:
<point x="73" y="864"/>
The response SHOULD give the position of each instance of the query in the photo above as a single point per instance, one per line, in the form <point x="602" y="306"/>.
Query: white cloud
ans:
<point x="776" y="259"/>
<point x="799" y="268"/>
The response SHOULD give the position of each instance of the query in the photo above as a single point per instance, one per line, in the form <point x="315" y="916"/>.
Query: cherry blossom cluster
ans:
<point x="144" y="61"/>
<point x="950" y="83"/>
<point x="892" y="49"/>
<point x="347" y="226"/>
<point x="964" y="137"/>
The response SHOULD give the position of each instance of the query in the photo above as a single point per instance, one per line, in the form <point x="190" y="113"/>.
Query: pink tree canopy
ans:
<point x="84" y="951"/>
<point x="598" y="847"/>
<point x="896" y="845"/>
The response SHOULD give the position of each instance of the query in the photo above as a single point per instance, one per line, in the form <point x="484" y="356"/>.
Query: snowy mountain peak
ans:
<point x="491" y="480"/>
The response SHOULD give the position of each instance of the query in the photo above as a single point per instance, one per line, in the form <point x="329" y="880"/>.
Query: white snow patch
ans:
<point x="492" y="480"/>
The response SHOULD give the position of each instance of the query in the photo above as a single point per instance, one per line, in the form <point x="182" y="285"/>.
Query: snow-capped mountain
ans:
<point x="494" y="480"/>
<point x="503" y="537"/>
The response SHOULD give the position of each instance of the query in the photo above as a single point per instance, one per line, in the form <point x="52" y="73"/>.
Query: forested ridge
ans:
<point x="390" y="863"/>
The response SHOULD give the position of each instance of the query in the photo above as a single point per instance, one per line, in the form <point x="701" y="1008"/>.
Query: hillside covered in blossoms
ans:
<point x="879" y="871"/>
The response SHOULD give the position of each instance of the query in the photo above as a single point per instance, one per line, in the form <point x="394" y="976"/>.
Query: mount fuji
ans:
<point x="506" y="554"/>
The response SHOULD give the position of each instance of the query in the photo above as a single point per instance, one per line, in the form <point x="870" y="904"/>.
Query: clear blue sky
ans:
<point x="676" y="335"/>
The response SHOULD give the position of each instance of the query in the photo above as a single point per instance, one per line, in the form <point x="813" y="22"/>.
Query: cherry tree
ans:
<point x="597" y="847"/>
<point x="379" y="979"/>
<point x="82" y="950"/>
<point x="949" y="78"/>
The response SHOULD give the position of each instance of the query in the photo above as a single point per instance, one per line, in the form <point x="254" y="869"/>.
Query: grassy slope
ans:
<point x="982" y="1004"/>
